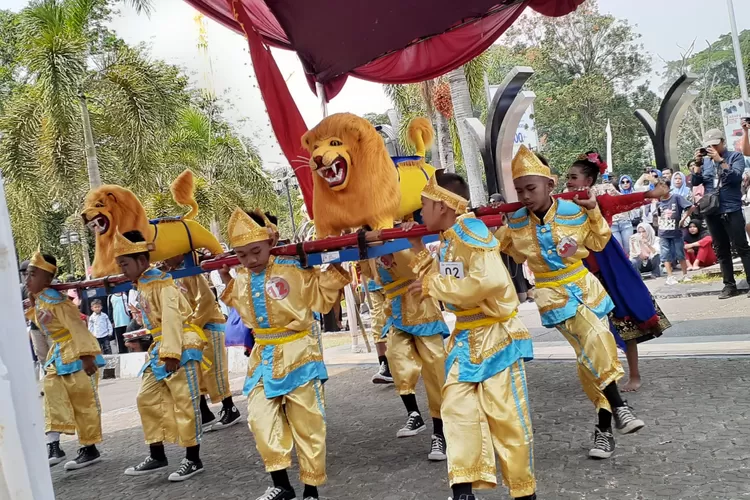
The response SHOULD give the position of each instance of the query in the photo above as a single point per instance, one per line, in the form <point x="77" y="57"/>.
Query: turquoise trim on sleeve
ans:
<point x="472" y="231"/>
<point x="215" y="327"/>
<point x="372" y="286"/>
<point x="191" y="355"/>
<point x="523" y="215"/>
<point x="501" y="360"/>
<point x="51" y="296"/>
<point x="288" y="261"/>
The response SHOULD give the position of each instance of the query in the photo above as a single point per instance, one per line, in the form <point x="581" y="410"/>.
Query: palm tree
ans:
<point x="462" y="108"/>
<point x="65" y="62"/>
<point x="226" y="165"/>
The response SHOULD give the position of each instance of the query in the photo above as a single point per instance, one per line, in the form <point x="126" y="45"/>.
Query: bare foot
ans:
<point x="632" y="385"/>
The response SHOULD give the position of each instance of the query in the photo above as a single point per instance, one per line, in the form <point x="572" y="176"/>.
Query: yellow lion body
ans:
<point x="115" y="208"/>
<point x="367" y="193"/>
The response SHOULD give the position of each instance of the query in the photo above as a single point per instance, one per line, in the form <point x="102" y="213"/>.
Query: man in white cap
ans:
<point x="720" y="172"/>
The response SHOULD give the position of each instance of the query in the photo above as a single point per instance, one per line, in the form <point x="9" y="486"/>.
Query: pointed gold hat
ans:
<point x="123" y="246"/>
<point x="434" y="192"/>
<point x="37" y="260"/>
<point x="243" y="230"/>
<point x="526" y="163"/>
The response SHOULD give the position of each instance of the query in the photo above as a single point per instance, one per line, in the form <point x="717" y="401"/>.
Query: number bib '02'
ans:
<point x="454" y="269"/>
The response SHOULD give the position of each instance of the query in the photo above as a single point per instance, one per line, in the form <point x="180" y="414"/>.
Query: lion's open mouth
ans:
<point x="99" y="224"/>
<point x="335" y="174"/>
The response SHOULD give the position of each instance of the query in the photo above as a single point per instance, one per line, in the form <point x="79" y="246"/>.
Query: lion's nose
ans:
<point x="318" y="161"/>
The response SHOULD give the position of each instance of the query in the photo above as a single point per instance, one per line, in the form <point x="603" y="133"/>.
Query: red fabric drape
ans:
<point x="286" y="120"/>
<point x="431" y="56"/>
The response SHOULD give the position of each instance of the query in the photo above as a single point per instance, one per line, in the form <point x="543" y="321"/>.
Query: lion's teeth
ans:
<point x="335" y="169"/>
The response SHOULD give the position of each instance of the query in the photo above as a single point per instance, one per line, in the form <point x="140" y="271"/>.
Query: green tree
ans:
<point x="227" y="165"/>
<point x="585" y="64"/>
<point x="716" y="68"/>
<point x="377" y="118"/>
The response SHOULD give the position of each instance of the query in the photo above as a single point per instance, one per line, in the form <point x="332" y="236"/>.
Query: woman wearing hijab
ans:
<point x="698" y="250"/>
<point x="679" y="186"/>
<point x="644" y="252"/>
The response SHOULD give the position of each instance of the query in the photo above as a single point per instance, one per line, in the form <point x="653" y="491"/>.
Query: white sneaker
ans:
<point x="672" y="280"/>
<point x="686" y="279"/>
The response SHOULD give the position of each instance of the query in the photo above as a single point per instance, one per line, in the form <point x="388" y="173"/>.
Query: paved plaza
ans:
<point x="696" y="444"/>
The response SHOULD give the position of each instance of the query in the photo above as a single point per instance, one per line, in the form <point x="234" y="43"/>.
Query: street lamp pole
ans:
<point x="737" y="52"/>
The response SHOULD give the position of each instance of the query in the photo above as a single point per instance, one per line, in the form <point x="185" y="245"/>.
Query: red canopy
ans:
<point x="384" y="41"/>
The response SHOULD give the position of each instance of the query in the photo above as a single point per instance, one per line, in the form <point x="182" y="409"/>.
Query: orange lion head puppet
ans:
<point x="355" y="183"/>
<point x="111" y="208"/>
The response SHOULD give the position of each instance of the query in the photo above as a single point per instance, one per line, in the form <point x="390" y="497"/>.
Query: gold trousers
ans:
<point x="476" y="416"/>
<point x="169" y="408"/>
<point x="596" y="351"/>
<point x="377" y="315"/>
<point x="294" y="419"/>
<point x="408" y="356"/>
<point x="71" y="405"/>
<point x="215" y="380"/>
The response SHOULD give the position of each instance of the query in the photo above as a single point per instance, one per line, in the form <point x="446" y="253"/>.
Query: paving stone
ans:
<point x="696" y="444"/>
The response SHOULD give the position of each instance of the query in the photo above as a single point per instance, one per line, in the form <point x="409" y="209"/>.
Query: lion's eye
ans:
<point x="336" y="143"/>
<point x="99" y="204"/>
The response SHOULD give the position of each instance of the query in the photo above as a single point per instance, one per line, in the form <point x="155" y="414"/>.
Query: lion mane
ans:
<point x="355" y="183"/>
<point x="110" y="208"/>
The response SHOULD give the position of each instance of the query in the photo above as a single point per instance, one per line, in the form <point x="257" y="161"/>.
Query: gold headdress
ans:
<point x="526" y="163"/>
<point x="243" y="230"/>
<point x="37" y="260"/>
<point x="123" y="246"/>
<point x="436" y="193"/>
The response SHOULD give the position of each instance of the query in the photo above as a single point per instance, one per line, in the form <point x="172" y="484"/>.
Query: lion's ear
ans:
<point x="306" y="140"/>
<point x="113" y="196"/>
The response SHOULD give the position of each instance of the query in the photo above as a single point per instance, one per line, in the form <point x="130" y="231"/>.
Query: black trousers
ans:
<point x="727" y="231"/>
<point x="119" y="331"/>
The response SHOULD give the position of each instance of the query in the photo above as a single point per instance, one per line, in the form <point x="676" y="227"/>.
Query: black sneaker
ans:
<point x="437" y="448"/>
<point x="383" y="376"/>
<point x="464" y="497"/>
<point x="146" y="467"/>
<point x="55" y="454"/>
<point x="728" y="292"/>
<point x="414" y="425"/>
<point x="207" y="423"/>
<point x="88" y="455"/>
<point x="227" y="418"/>
<point x="187" y="469"/>
<point x="276" y="493"/>
<point x="604" y="444"/>
<point x="626" y="421"/>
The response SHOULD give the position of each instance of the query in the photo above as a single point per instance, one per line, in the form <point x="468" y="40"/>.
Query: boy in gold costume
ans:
<point x="378" y="319"/>
<point x="485" y="401"/>
<point x="168" y="400"/>
<point x="71" y="383"/>
<point x="554" y="236"/>
<point x="276" y="296"/>
<point x="416" y="330"/>
<point x="207" y="315"/>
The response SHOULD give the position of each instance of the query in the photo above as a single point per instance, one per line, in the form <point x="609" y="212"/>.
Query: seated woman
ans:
<point x="698" y="247"/>
<point x="644" y="252"/>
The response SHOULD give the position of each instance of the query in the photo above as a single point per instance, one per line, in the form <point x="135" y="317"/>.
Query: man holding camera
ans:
<point x="720" y="172"/>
